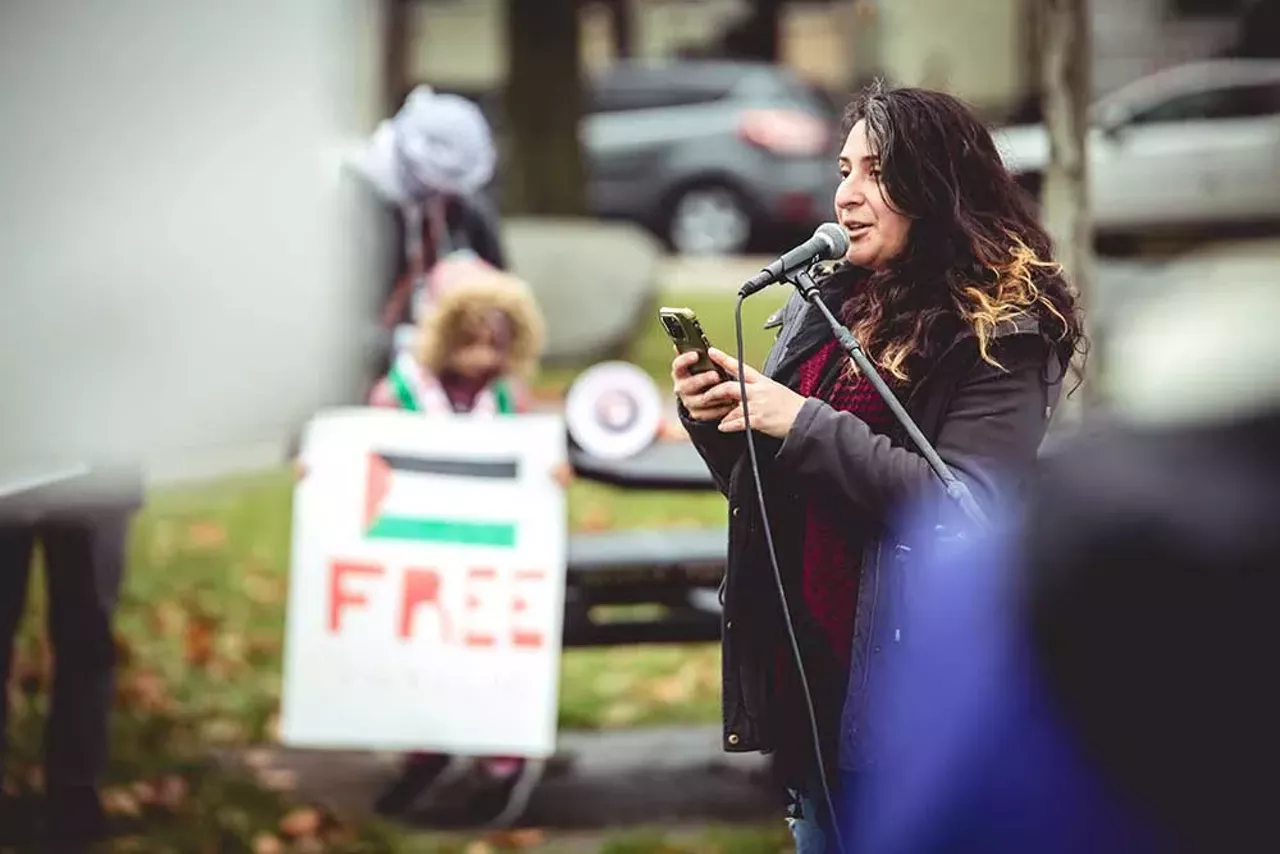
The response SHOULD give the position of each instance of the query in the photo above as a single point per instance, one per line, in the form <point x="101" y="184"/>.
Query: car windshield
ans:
<point x="1189" y="98"/>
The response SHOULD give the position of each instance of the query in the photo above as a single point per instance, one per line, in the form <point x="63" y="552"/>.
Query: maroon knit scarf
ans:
<point x="833" y="538"/>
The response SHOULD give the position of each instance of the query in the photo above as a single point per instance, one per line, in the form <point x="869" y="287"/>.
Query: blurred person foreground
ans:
<point x="1103" y="686"/>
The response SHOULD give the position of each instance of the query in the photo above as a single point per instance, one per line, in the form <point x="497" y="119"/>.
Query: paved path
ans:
<point x="597" y="779"/>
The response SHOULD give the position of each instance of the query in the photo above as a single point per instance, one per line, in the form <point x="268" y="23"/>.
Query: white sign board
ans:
<point x="426" y="594"/>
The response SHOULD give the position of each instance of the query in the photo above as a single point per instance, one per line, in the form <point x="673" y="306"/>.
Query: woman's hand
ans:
<point x="773" y="406"/>
<point x="694" y="389"/>
<point x="562" y="474"/>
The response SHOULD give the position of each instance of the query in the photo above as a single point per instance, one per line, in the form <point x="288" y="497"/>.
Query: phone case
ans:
<point x="685" y="332"/>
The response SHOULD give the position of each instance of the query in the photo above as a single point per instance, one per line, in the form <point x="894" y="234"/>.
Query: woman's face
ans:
<point x="877" y="233"/>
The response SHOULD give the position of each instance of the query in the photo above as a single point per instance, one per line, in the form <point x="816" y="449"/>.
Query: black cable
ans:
<point x="952" y="485"/>
<point x="782" y="592"/>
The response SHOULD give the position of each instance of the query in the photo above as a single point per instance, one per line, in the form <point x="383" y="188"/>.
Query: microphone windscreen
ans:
<point x="835" y="240"/>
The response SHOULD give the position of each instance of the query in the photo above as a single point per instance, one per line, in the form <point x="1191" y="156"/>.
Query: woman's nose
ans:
<point x="849" y="195"/>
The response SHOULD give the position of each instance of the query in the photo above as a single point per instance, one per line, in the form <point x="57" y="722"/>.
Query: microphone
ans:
<point x="829" y="243"/>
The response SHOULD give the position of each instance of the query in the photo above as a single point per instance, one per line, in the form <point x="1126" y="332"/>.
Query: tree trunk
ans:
<point x="1259" y="31"/>
<point x="758" y="35"/>
<point x="1066" y="84"/>
<point x="397" y="22"/>
<point x="543" y="163"/>
<point x="622" y="24"/>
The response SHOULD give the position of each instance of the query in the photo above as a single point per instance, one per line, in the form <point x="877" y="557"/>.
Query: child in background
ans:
<point x="477" y="343"/>
<point x="475" y="347"/>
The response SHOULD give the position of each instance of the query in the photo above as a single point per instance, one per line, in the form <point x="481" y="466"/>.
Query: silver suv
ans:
<point x="709" y="154"/>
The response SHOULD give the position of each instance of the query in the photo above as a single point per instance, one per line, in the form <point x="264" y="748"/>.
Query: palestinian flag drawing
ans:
<point x="406" y="499"/>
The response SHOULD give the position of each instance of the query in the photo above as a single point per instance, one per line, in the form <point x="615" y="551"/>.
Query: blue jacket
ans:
<point x="971" y="752"/>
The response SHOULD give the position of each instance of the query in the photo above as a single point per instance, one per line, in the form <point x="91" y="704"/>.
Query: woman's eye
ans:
<point x="844" y="174"/>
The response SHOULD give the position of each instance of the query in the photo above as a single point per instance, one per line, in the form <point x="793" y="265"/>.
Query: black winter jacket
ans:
<point x="985" y="422"/>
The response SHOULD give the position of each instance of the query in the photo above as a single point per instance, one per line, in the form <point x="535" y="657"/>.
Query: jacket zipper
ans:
<point x="871" y="626"/>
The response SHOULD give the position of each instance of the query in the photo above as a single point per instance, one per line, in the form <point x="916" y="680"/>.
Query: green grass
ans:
<point x="652" y="350"/>
<point x="200" y="626"/>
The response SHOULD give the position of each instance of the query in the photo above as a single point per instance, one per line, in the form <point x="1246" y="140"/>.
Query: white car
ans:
<point x="1196" y="144"/>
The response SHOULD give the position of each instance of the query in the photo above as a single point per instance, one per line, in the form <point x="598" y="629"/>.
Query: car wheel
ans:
<point x="708" y="220"/>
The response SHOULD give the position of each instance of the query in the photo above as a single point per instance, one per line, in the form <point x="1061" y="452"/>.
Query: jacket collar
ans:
<point x="832" y="286"/>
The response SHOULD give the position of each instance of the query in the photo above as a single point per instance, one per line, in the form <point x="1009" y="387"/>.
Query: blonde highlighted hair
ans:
<point x="977" y="256"/>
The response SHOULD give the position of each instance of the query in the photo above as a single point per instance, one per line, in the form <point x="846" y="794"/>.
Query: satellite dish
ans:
<point x="613" y="410"/>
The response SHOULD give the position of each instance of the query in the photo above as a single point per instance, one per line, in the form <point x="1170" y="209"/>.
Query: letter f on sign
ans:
<point x="339" y="596"/>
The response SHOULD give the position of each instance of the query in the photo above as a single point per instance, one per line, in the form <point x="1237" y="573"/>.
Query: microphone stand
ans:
<point x="954" y="487"/>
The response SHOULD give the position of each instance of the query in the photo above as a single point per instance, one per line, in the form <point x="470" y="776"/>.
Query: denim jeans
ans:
<point x="805" y="821"/>
<point x="83" y="565"/>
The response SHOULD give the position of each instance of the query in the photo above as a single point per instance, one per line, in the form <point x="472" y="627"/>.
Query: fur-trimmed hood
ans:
<point x="479" y="292"/>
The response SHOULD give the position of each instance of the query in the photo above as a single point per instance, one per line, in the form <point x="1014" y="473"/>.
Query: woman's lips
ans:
<point x="857" y="229"/>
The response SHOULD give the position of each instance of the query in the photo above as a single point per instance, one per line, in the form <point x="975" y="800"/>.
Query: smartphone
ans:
<point x="686" y="334"/>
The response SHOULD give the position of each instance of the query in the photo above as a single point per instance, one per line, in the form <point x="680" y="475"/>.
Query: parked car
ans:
<point x="1197" y="144"/>
<point x="709" y="153"/>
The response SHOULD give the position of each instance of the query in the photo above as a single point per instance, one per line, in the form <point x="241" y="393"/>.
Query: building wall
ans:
<point x="460" y="43"/>
<point x="972" y="49"/>
<point x="982" y="50"/>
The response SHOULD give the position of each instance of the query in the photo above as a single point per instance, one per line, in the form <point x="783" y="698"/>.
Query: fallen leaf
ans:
<point x="671" y="690"/>
<point x="308" y="845"/>
<point x="197" y="641"/>
<point x="145" y="691"/>
<point x="670" y="431"/>
<point x="267" y="843"/>
<point x="124" y="650"/>
<point x="519" y="838"/>
<point x="597" y="518"/>
<point x="162" y="542"/>
<point x="263" y="589"/>
<point x="232" y="646"/>
<point x="172" y="792"/>
<point x="168" y="617"/>
<point x="224" y="731"/>
<point x="303" y="821"/>
<point x="257" y="757"/>
<point x="278" y="779"/>
<point x="144" y="792"/>
<point x="219" y="670"/>
<point x="621" y="714"/>
<point x="121" y="802"/>
<point x="206" y="535"/>
<point x="613" y="682"/>
<point x="265" y="646"/>
<point x="339" y="835"/>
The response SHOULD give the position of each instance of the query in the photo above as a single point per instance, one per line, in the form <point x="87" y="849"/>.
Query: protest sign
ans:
<point x="427" y="585"/>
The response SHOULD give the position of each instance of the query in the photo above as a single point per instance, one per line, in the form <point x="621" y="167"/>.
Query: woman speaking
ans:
<point x="950" y="286"/>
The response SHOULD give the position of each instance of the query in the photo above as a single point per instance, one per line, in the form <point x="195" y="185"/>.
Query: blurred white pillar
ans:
<point x="185" y="267"/>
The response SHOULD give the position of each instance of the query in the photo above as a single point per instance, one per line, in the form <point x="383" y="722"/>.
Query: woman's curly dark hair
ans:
<point x="976" y="253"/>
